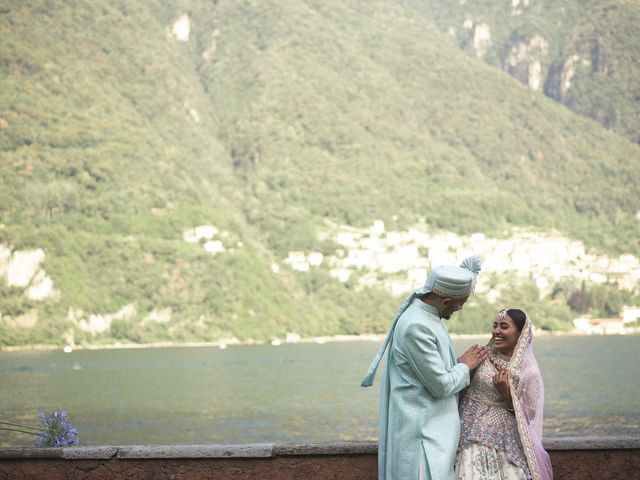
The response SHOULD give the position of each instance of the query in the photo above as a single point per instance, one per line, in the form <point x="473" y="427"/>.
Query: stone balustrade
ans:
<point x="573" y="458"/>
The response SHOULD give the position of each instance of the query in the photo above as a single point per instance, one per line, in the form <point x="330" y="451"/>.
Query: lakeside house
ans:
<point x="602" y="326"/>
<point x="610" y="326"/>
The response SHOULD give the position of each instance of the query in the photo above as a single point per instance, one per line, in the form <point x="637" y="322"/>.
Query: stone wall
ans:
<point x="573" y="458"/>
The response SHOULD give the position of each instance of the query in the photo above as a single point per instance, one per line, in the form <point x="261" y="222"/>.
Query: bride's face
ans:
<point x="505" y="334"/>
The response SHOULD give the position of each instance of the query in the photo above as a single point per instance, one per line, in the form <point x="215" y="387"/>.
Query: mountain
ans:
<point x="126" y="125"/>
<point x="583" y="54"/>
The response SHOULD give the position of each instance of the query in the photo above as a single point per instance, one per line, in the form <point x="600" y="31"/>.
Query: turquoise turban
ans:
<point x="452" y="281"/>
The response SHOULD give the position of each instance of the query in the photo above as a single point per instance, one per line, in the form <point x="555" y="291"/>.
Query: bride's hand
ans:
<point x="501" y="382"/>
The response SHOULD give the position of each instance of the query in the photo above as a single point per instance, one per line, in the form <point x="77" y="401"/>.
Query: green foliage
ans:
<point x="12" y="301"/>
<point x="551" y="316"/>
<point x="273" y="118"/>
<point x="600" y="300"/>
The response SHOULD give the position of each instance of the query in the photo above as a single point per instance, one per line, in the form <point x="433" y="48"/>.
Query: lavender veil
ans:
<point x="527" y="392"/>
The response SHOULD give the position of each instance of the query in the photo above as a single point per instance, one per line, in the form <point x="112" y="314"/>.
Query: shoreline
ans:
<point x="228" y="342"/>
<point x="222" y="344"/>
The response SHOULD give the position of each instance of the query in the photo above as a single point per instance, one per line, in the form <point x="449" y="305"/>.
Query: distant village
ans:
<point x="399" y="261"/>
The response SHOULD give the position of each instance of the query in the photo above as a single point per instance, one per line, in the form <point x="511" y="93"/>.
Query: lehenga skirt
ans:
<point x="479" y="462"/>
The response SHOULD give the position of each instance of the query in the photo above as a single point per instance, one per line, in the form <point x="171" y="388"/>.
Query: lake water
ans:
<point x="303" y="392"/>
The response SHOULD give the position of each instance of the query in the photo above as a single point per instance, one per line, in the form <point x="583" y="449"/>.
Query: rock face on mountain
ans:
<point x="23" y="268"/>
<point x="578" y="53"/>
<point x="527" y="60"/>
<point x="592" y="73"/>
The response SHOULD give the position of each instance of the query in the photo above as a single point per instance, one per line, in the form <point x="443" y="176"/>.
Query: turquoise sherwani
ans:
<point x="419" y="424"/>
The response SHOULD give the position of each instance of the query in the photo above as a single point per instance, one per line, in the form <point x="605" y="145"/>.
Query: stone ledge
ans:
<point x="325" y="448"/>
<point x="268" y="450"/>
<point x="25" y="452"/>
<point x="592" y="443"/>
<point x="87" y="453"/>
<point x="248" y="450"/>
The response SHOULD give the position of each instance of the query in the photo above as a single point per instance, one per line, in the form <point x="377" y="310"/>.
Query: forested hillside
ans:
<point x="126" y="124"/>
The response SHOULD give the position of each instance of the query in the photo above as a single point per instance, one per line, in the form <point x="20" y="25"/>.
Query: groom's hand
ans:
<point x="474" y="356"/>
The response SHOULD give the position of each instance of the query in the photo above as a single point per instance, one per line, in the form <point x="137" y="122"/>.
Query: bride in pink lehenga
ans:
<point x="501" y="411"/>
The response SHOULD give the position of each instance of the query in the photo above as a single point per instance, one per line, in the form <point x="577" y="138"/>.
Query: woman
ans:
<point x="501" y="412"/>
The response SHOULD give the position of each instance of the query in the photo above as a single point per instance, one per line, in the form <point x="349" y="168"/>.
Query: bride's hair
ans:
<point x="518" y="317"/>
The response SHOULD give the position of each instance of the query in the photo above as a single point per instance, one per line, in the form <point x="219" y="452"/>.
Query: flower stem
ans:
<point x="11" y="429"/>
<point x="20" y="425"/>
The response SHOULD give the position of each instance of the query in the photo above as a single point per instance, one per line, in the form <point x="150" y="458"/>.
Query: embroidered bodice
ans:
<point x="484" y="416"/>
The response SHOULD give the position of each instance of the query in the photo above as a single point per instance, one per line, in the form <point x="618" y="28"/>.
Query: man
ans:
<point x="419" y="426"/>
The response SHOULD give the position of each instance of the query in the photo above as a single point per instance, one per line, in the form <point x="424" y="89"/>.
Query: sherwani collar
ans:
<point x="427" y="308"/>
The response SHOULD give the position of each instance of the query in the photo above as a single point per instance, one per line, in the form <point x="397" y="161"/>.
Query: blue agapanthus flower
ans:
<point x="56" y="431"/>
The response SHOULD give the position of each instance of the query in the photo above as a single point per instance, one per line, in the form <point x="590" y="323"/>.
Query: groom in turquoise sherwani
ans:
<point x="419" y="426"/>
